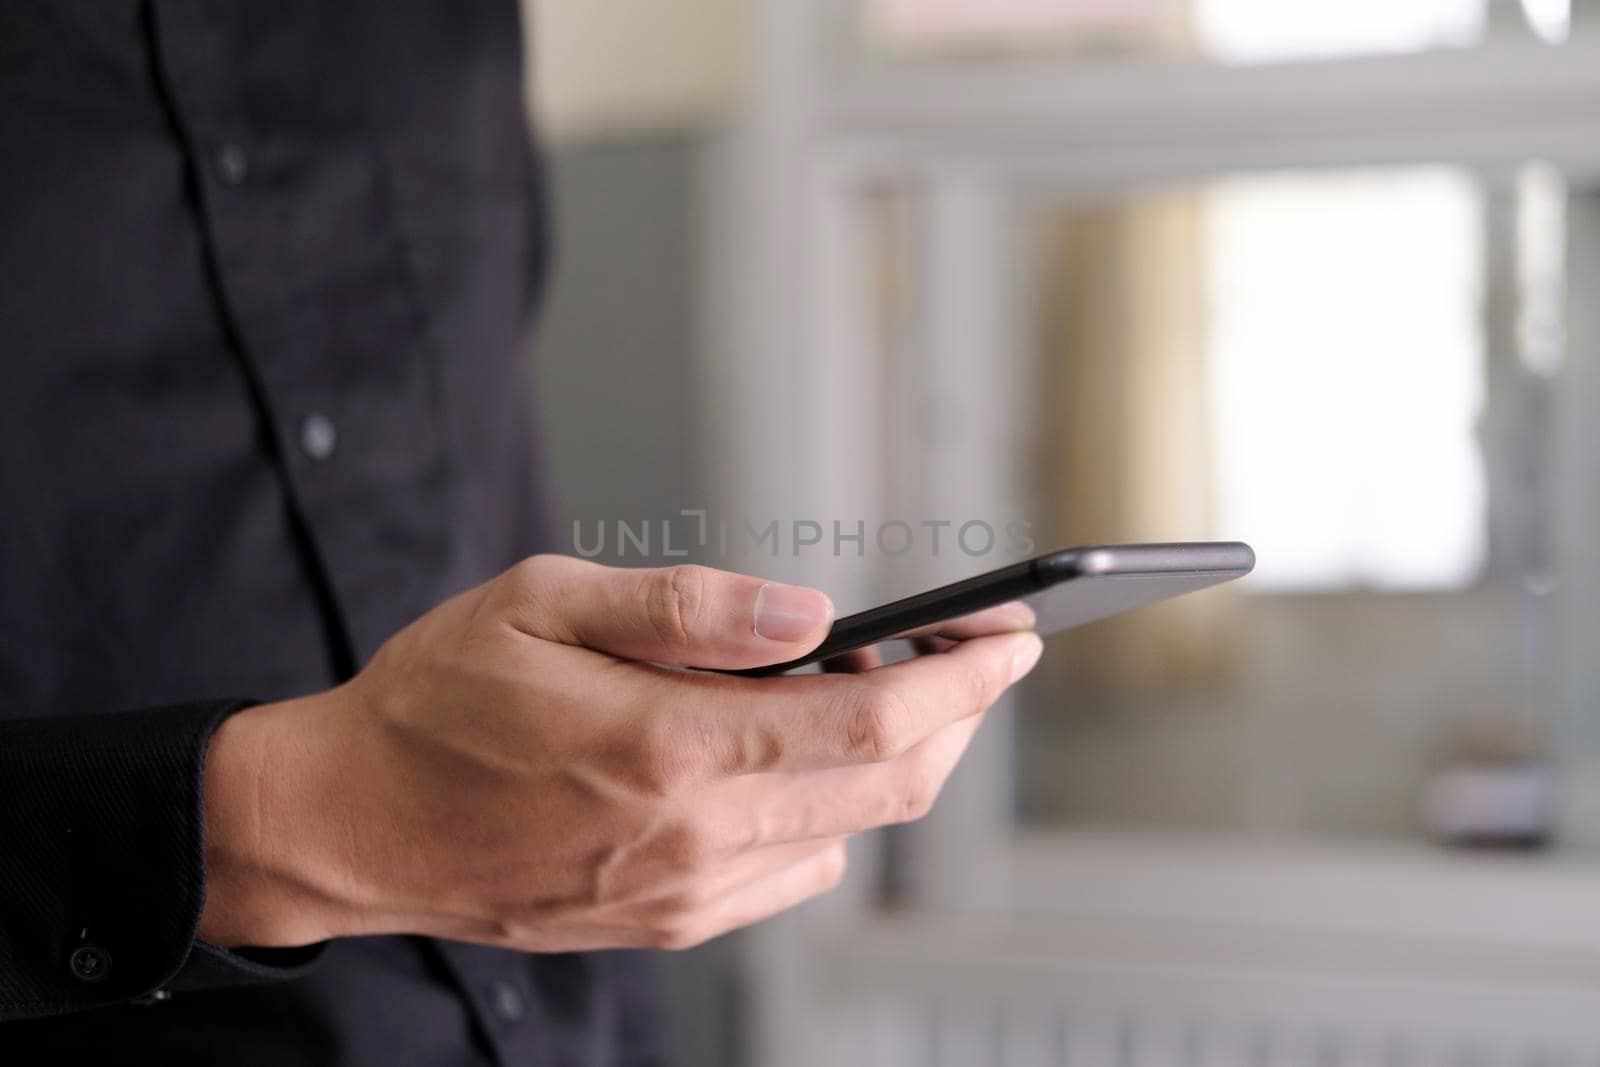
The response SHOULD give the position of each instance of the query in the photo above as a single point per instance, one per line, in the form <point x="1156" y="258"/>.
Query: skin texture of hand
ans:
<point x="518" y="768"/>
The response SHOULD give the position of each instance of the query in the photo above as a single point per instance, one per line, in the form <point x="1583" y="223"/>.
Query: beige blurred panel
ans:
<point x="626" y="69"/>
<point x="957" y="26"/>
<point x="1124" y="335"/>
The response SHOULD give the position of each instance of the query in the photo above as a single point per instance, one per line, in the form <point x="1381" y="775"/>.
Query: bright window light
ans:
<point x="1346" y="374"/>
<point x="1253" y="31"/>
<point x="1243" y="31"/>
<point x="1550" y="19"/>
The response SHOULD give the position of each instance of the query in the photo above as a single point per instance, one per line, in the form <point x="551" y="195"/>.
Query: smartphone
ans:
<point x="1065" y="589"/>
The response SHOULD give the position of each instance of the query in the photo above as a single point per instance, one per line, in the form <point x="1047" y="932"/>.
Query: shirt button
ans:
<point x="231" y="163"/>
<point x="89" y="963"/>
<point x="507" y="1001"/>
<point x="318" y="436"/>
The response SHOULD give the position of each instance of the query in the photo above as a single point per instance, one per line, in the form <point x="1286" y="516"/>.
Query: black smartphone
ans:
<point x="1065" y="589"/>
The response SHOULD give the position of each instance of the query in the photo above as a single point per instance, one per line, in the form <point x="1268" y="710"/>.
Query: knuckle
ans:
<point x="759" y="748"/>
<point x="917" y="796"/>
<point x="663" y="764"/>
<point x="509" y="931"/>
<point x="674" y="599"/>
<point x="876" y="720"/>
<point x="682" y="903"/>
<point x="835" y="862"/>
<point x="529" y="575"/>
<point x="524" y="592"/>
<point x="677" y="936"/>
<point x="973" y="686"/>
<point x="687" y="845"/>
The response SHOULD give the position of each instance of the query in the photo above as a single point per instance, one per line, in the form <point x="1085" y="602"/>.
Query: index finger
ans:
<point x="737" y="725"/>
<point x="937" y="637"/>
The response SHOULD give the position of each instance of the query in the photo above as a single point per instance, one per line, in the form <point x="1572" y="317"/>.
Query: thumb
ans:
<point x="689" y="615"/>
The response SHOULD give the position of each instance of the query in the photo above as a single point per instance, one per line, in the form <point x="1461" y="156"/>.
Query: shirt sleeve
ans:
<point x="102" y="863"/>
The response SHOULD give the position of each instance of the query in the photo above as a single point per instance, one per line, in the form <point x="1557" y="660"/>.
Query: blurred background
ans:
<point x="1317" y="276"/>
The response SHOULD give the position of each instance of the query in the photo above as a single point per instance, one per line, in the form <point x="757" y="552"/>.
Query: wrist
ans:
<point x="267" y="882"/>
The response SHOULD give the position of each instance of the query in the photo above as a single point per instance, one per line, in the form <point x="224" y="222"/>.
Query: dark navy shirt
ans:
<point x="266" y="270"/>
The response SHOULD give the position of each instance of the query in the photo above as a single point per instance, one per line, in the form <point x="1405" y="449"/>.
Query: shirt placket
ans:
<point x="343" y="388"/>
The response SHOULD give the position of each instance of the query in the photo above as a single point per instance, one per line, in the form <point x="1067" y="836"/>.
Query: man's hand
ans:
<point x="516" y="768"/>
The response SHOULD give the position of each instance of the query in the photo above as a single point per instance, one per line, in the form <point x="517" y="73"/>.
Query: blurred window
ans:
<point x="1261" y="30"/>
<point x="1232" y="31"/>
<point x="1346" y="376"/>
<point x="1551" y="20"/>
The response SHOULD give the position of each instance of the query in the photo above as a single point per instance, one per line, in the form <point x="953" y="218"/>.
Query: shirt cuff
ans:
<point x="102" y="869"/>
